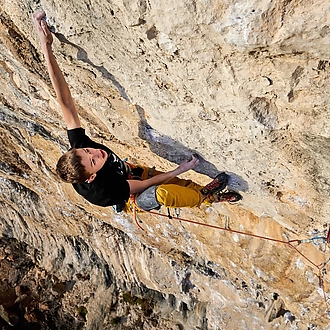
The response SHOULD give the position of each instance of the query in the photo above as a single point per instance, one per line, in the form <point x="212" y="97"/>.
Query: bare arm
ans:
<point x="60" y="86"/>
<point x="138" y="186"/>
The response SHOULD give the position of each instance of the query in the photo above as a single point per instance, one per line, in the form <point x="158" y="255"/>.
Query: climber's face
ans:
<point x="92" y="159"/>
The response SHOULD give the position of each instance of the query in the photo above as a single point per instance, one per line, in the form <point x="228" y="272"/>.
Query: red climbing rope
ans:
<point x="290" y="243"/>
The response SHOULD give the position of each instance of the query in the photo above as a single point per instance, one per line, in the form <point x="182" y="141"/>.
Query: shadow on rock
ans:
<point x="83" y="56"/>
<point x="174" y="151"/>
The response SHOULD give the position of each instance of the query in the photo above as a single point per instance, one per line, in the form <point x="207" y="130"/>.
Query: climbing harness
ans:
<point x="133" y="173"/>
<point x="291" y="243"/>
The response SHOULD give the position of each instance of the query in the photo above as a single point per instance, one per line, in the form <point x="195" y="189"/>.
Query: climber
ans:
<point x="100" y="176"/>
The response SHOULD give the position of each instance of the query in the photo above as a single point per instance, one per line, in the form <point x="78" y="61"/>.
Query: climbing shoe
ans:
<point x="219" y="183"/>
<point x="229" y="196"/>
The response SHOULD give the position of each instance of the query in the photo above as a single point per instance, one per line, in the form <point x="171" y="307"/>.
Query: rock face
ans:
<point x="245" y="84"/>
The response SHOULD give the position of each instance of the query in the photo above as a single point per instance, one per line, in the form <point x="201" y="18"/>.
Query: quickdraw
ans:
<point x="291" y="243"/>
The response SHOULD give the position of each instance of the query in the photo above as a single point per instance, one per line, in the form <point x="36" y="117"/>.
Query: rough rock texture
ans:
<point x="243" y="83"/>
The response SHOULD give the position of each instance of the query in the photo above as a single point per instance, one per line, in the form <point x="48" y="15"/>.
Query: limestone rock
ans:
<point x="245" y="84"/>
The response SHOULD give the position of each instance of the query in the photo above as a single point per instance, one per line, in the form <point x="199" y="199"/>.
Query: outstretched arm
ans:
<point x="61" y="88"/>
<point x="138" y="186"/>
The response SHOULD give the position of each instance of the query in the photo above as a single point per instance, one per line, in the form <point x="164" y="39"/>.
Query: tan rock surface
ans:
<point x="245" y="84"/>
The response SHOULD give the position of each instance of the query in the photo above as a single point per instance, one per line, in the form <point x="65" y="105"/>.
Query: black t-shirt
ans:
<point x="110" y="186"/>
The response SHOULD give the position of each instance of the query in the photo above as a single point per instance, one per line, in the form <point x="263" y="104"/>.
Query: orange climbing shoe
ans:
<point x="218" y="184"/>
<point x="229" y="196"/>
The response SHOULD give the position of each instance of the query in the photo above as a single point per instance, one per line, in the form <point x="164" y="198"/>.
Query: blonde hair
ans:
<point x="70" y="169"/>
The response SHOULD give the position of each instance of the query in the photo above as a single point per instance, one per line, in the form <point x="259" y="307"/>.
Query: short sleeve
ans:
<point x="78" y="138"/>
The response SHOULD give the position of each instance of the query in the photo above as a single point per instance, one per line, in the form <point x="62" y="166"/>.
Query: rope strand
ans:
<point x="320" y="267"/>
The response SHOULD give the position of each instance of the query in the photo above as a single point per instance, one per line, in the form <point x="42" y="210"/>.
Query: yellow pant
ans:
<point x="174" y="195"/>
<point x="176" y="192"/>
